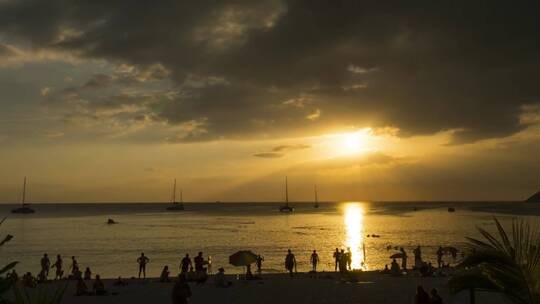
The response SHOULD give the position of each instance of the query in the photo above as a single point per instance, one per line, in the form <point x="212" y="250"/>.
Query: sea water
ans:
<point x="220" y="229"/>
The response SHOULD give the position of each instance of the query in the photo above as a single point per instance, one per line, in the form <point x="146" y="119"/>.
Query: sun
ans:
<point x="352" y="143"/>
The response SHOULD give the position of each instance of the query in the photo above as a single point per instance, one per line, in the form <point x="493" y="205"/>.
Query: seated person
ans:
<point x="164" y="277"/>
<point x="394" y="268"/>
<point x="220" y="280"/>
<point x="120" y="282"/>
<point x="87" y="274"/>
<point x="28" y="280"/>
<point x="99" y="287"/>
<point x="386" y="269"/>
<point x="13" y="276"/>
<point x="81" y="288"/>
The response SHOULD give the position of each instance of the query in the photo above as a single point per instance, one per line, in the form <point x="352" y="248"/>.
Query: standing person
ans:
<point x="342" y="261"/>
<point x="58" y="266"/>
<point x="417" y="257"/>
<point x="185" y="264"/>
<point x="421" y="296"/>
<point x="259" y="263"/>
<point x="142" y="261"/>
<point x="199" y="262"/>
<point x="181" y="291"/>
<point x="403" y="259"/>
<point x="74" y="266"/>
<point x="314" y="260"/>
<point x="45" y="265"/>
<point x="337" y="257"/>
<point x="440" y="253"/>
<point x="349" y="258"/>
<point x="209" y="264"/>
<point x="290" y="262"/>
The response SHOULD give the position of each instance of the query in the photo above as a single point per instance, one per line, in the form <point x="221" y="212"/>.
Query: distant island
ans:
<point x="534" y="199"/>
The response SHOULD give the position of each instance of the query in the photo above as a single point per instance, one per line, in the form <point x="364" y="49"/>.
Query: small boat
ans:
<point x="111" y="221"/>
<point x="451" y="209"/>
<point x="316" y="199"/>
<point x="286" y="208"/>
<point x="176" y="206"/>
<point x="25" y="207"/>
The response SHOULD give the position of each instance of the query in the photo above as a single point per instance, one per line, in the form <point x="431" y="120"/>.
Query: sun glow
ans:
<point x="352" y="143"/>
<point x="354" y="226"/>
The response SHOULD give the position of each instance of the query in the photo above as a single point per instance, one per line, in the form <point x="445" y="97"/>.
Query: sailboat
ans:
<point x="286" y="208"/>
<point x="316" y="198"/>
<point x="176" y="206"/>
<point x="25" y="207"/>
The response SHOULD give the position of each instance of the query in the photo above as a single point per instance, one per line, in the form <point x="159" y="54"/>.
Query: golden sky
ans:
<point x="112" y="101"/>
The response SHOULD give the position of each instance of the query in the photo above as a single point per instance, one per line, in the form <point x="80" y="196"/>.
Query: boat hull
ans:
<point x="286" y="209"/>
<point x="175" y="208"/>
<point x="23" y="210"/>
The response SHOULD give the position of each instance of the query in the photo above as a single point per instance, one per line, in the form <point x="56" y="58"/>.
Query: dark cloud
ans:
<point x="268" y="155"/>
<point x="420" y="66"/>
<point x="290" y="147"/>
<point x="281" y="150"/>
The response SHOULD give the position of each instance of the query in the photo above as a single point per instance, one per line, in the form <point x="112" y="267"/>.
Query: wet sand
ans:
<point x="366" y="287"/>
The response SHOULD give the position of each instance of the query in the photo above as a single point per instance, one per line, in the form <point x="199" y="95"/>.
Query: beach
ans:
<point x="365" y="287"/>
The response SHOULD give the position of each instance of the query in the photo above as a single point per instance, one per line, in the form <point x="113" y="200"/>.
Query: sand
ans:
<point x="371" y="287"/>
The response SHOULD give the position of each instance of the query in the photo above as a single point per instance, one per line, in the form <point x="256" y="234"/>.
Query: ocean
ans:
<point x="220" y="229"/>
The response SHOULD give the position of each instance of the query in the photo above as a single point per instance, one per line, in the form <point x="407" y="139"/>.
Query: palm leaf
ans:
<point x="6" y="239"/>
<point x="503" y="263"/>
<point x="8" y="267"/>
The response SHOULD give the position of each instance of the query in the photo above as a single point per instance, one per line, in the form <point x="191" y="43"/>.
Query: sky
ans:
<point x="109" y="101"/>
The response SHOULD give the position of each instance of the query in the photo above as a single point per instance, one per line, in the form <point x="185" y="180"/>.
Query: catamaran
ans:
<point x="25" y="207"/>
<point x="316" y="199"/>
<point x="176" y="206"/>
<point x="286" y="208"/>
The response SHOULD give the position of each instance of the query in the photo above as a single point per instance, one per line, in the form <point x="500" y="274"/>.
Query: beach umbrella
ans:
<point x="398" y="255"/>
<point x="243" y="258"/>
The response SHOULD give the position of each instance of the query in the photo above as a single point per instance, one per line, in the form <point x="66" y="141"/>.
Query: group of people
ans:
<point x="425" y="268"/>
<point x="343" y="260"/>
<point x="196" y="270"/>
<point x="75" y="272"/>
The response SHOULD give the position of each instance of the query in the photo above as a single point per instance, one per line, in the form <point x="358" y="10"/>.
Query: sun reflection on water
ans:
<point x="354" y="226"/>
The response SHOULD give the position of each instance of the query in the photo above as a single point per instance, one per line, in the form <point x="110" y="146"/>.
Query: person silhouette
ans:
<point x="142" y="261"/>
<point x="337" y="258"/>
<point x="74" y="267"/>
<point x="259" y="263"/>
<point x="199" y="262"/>
<point x="440" y="253"/>
<point x="185" y="264"/>
<point x="87" y="274"/>
<point x="349" y="258"/>
<point x="290" y="262"/>
<point x="58" y="266"/>
<point x="164" y="277"/>
<point x="45" y="264"/>
<point x="403" y="258"/>
<point x="314" y="260"/>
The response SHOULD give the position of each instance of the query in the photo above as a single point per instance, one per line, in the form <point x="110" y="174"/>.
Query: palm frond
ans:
<point x="503" y="263"/>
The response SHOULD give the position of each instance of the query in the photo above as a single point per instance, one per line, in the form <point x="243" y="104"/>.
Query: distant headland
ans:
<point x="534" y="199"/>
